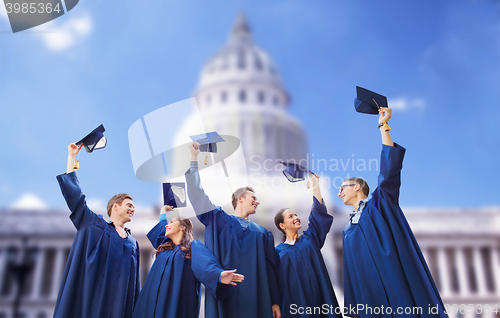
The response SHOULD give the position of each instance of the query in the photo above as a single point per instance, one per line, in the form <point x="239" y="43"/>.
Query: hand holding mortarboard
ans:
<point x="315" y="186"/>
<point x="174" y="194"/>
<point x="294" y="172"/>
<point x="314" y="178"/>
<point x="195" y="150"/>
<point x="166" y="208"/>
<point x="73" y="150"/>
<point x="93" y="141"/>
<point x="385" y="115"/>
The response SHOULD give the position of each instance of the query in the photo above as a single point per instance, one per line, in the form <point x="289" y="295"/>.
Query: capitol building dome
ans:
<point x="240" y="93"/>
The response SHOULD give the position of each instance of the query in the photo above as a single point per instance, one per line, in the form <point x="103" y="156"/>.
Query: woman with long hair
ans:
<point x="305" y="287"/>
<point x="171" y="288"/>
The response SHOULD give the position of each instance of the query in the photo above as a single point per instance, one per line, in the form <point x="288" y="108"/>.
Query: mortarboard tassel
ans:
<point x="206" y="160"/>
<point x="77" y="165"/>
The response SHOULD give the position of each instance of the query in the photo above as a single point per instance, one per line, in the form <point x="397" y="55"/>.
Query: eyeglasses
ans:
<point x="345" y="185"/>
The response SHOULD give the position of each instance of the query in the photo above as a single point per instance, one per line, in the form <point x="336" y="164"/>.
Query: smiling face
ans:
<point x="349" y="192"/>
<point x="291" y="221"/>
<point x="173" y="229"/>
<point x="123" y="212"/>
<point x="248" y="202"/>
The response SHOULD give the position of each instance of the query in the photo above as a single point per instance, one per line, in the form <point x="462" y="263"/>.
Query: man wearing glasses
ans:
<point x="385" y="274"/>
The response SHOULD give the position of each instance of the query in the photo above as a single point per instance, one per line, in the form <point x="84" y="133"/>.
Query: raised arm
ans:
<point x="383" y="119"/>
<point x="73" y="150"/>
<point x="391" y="160"/>
<point x="157" y="234"/>
<point x="320" y="221"/>
<point x="203" y="207"/>
<point x="80" y="215"/>
<point x="316" y="189"/>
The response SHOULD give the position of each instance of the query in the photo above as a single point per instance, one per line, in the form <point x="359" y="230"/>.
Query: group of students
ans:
<point x="383" y="265"/>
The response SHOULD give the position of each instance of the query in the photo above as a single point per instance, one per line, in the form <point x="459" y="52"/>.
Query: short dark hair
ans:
<point x="238" y="193"/>
<point x="119" y="198"/>
<point x="362" y="183"/>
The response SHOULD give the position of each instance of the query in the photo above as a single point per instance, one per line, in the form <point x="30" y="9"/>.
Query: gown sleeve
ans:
<point x="389" y="180"/>
<point x="81" y="215"/>
<point x="320" y="223"/>
<point x="207" y="270"/>
<point x="205" y="210"/>
<point x="272" y="269"/>
<point x="157" y="234"/>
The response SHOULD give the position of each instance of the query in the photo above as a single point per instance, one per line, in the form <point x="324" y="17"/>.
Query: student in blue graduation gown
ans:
<point x="383" y="264"/>
<point x="101" y="277"/>
<point x="171" y="288"/>
<point x="303" y="278"/>
<point x="238" y="243"/>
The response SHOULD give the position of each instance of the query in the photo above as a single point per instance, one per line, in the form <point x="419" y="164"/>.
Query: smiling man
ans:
<point x="237" y="243"/>
<point x="101" y="277"/>
<point x="385" y="274"/>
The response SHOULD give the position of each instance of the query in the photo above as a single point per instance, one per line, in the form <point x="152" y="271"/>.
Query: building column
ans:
<point x="38" y="275"/>
<point x="479" y="270"/>
<point x="58" y="271"/>
<point x="463" y="281"/>
<point x="3" y="267"/>
<point x="495" y="268"/>
<point x="444" y="272"/>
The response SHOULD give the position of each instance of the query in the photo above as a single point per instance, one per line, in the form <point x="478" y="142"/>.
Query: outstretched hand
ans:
<point x="231" y="278"/>
<point x="195" y="150"/>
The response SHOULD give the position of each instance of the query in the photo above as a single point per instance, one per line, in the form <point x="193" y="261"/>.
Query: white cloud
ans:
<point x="3" y="13"/>
<point x="67" y="34"/>
<point x="29" y="201"/>
<point x="404" y="103"/>
<point x="97" y="205"/>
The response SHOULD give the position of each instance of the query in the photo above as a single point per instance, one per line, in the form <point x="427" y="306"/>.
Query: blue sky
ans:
<point x="113" y="62"/>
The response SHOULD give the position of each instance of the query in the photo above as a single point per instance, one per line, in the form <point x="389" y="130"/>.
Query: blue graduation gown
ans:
<point x="303" y="277"/>
<point x="170" y="289"/>
<point x="383" y="264"/>
<point x="101" y="277"/>
<point x="250" y="251"/>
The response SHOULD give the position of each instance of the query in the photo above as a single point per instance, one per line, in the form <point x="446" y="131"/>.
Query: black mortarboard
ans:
<point x="208" y="142"/>
<point x="368" y="102"/>
<point x="174" y="194"/>
<point x="294" y="172"/>
<point x="94" y="140"/>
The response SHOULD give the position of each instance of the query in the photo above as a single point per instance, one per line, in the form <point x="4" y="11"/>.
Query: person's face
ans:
<point x="249" y="202"/>
<point x="290" y="221"/>
<point x="125" y="211"/>
<point x="173" y="228"/>
<point x="348" y="192"/>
